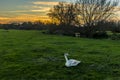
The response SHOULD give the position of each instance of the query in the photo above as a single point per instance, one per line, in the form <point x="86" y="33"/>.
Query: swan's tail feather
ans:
<point x="79" y="62"/>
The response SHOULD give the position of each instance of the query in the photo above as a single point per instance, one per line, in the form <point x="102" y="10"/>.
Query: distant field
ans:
<point x="31" y="55"/>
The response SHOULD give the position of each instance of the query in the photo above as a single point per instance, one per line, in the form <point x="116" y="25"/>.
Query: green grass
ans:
<point x="31" y="55"/>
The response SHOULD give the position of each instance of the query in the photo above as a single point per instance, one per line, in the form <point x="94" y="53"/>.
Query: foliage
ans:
<point x="63" y="30"/>
<point x="100" y="35"/>
<point x="24" y="26"/>
<point x="115" y="36"/>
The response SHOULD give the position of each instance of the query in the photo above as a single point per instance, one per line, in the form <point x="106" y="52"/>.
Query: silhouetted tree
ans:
<point x="91" y="12"/>
<point x="64" y="13"/>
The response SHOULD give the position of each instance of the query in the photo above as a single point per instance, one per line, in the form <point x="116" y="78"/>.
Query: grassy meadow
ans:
<point x="31" y="55"/>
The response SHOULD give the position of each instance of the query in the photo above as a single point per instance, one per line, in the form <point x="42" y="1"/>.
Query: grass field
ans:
<point x="31" y="55"/>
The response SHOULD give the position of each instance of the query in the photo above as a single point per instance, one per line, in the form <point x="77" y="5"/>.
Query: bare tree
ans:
<point x="64" y="13"/>
<point x="91" y="12"/>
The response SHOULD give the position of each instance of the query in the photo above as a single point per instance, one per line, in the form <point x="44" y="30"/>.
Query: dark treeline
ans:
<point x="24" y="26"/>
<point x="100" y="30"/>
<point x="55" y="28"/>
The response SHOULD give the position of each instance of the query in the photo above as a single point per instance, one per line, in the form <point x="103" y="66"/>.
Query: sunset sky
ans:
<point x="25" y="10"/>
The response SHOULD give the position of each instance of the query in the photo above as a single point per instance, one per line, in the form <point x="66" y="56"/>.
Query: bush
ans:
<point x="116" y="29"/>
<point x="62" y="30"/>
<point x="115" y="36"/>
<point x="100" y="34"/>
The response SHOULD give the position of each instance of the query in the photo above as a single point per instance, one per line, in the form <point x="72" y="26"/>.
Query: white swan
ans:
<point x="70" y="62"/>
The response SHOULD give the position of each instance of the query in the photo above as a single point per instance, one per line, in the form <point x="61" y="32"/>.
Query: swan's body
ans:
<point x="70" y="62"/>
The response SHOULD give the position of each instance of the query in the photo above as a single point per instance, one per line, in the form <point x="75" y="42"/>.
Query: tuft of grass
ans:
<point x="31" y="55"/>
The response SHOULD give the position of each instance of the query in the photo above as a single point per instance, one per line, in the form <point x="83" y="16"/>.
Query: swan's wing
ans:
<point x="73" y="61"/>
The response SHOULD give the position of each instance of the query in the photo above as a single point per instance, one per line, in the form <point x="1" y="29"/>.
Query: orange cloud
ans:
<point x="45" y="3"/>
<point x="17" y="11"/>
<point x="3" y="18"/>
<point x="23" y="18"/>
<point x="46" y="9"/>
<point x="33" y="9"/>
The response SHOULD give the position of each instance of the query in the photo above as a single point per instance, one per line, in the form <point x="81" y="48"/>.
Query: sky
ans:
<point x="25" y="10"/>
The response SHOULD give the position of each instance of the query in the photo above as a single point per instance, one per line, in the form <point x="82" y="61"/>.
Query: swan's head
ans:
<point x="66" y="54"/>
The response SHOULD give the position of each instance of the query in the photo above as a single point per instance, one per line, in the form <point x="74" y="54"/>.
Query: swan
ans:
<point x="70" y="62"/>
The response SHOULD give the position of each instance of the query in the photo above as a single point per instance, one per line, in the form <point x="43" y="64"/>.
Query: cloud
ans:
<point x="38" y="10"/>
<point x="23" y="18"/>
<point x="37" y="7"/>
<point x="20" y="11"/>
<point x="41" y="9"/>
<point x="44" y="3"/>
<point x="33" y="9"/>
<point x="3" y="18"/>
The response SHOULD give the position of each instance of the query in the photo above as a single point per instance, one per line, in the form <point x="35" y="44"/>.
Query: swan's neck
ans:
<point x="66" y="58"/>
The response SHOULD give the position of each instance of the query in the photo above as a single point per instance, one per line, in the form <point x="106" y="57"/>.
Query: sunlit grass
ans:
<point x="31" y="55"/>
